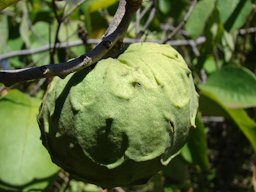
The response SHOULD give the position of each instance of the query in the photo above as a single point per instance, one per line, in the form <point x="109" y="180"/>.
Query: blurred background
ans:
<point x="217" y="38"/>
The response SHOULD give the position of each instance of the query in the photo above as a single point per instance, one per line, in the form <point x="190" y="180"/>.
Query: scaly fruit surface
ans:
<point x="121" y="122"/>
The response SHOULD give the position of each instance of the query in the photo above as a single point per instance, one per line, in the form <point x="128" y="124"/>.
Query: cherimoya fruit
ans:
<point x="122" y="121"/>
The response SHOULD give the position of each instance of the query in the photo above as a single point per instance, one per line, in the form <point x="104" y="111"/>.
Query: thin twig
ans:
<point x="247" y="30"/>
<point x="45" y="48"/>
<point x="26" y="52"/>
<point x="140" y="15"/>
<point x="149" y="20"/>
<point x="59" y="18"/>
<point x="185" y="19"/>
<point x="198" y="41"/>
<point x="72" y="10"/>
<point x="37" y="87"/>
<point x="194" y="48"/>
<point x="147" y="9"/>
<point x="130" y="7"/>
<point x="167" y="28"/>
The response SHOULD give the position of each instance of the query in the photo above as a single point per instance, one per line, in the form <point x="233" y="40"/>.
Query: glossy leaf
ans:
<point x="240" y="117"/>
<point x="235" y="87"/>
<point x="24" y="162"/>
<point x="233" y="13"/>
<point x="245" y="123"/>
<point x="198" y="19"/>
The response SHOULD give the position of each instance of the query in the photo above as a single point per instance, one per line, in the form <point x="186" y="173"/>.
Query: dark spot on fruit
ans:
<point x="109" y="123"/>
<point x="136" y="84"/>
<point x="110" y="144"/>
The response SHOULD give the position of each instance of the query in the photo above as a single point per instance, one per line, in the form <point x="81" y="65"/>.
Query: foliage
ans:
<point x="23" y="159"/>
<point x="217" y="42"/>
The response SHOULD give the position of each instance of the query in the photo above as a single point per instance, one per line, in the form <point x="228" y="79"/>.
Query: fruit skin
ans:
<point x="121" y="122"/>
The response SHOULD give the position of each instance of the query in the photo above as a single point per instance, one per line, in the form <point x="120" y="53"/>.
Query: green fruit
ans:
<point x="121" y="122"/>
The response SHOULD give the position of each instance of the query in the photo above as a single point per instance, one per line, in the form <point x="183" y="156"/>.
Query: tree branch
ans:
<point x="114" y="34"/>
<point x="25" y="52"/>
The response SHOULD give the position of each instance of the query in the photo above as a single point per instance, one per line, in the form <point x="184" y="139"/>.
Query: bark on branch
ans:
<point x="114" y="34"/>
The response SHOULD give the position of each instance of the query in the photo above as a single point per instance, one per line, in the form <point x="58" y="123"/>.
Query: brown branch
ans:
<point x="114" y="34"/>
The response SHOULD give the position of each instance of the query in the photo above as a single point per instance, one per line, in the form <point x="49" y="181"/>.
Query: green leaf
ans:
<point x="91" y="6"/>
<point x="233" y="13"/>
<point x="240" y="117"/>
<point x="164" y="6"/>
<point x="6" y="3"/>
<point x="95" y="5"/>
<point x="24" y="162"/>
<point x="228" y="43"/>
<point x="235" y="87"/>
<point x="209" y="107"/>
<point x="39" y="38"/>
<point x="210" y="65"/>
<point x="198" y="146"/>
<point x="245" y="123"/>
<point x="67" y="31"/>
<point x="186" y="154"/>
<point x="199" y="17"/>
<point x="14" y="45"/>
